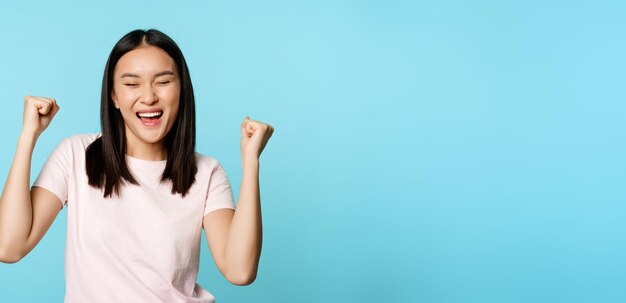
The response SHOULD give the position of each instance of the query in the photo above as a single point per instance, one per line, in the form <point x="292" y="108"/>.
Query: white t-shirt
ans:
<point x="142" y="246"/>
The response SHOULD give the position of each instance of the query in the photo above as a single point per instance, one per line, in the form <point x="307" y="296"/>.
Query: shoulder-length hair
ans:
<point x="106" y="156"/>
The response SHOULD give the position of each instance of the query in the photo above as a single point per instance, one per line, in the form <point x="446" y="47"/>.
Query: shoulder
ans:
<point x="210" y="172"/>
<point x="80" y="140"/>
<point x="206" y="162"/>
<point x="70" y="152"/>
<point x="75" y="146"/>
<point x="208" y="165"/>
<point x="76" y="143"/>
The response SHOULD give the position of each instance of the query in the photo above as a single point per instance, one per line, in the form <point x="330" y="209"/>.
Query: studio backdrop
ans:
<point x="425" y="151"/>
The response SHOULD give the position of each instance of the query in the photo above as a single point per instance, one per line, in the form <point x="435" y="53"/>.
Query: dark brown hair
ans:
<point x="106" y="156"/>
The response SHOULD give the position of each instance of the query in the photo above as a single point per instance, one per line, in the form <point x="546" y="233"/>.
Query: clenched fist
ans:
<point x="38" y="112"/>
<point x="254" y="137"/>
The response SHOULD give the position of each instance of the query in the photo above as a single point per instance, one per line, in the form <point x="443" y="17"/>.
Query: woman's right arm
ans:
<point x="25" y="215"/>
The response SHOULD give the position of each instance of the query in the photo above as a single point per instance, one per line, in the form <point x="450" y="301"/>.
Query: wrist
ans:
<point x="248" y="160"/>
<point x="28" y="137"/>
<point x="26" y="142"/>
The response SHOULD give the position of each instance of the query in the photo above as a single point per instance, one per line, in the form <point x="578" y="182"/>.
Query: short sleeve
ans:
<point x="220" y="194"/>
<point x="54" y="175"/>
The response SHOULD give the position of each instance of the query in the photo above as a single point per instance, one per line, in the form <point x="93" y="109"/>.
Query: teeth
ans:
<point x="149" y="115"/>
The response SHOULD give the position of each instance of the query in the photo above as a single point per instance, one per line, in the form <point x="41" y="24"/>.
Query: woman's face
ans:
<point x="146" y="90"/>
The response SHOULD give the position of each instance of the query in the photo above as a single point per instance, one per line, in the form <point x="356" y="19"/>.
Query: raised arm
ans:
<point x="235" y="237"/>
<point x="25" y="216"/>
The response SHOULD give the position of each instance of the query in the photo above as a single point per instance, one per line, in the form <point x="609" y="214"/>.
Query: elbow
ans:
<point x="9" y="260"/>
<point x="9" y="257"/>
<point x="241" y="279"/>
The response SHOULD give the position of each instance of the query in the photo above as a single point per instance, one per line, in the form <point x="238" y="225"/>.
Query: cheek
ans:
<point x="170" y="94"/>
<point x="125" y="96"/>
<point x="129" y="95"/>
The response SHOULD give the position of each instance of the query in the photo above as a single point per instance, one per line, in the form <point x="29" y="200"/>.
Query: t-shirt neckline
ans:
<point x="143" y="162"/>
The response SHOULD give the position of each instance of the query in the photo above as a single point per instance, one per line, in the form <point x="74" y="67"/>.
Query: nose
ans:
<point x="148" y="96"/>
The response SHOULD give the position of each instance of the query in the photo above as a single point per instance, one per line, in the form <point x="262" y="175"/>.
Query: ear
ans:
<point x="114" y="98"/>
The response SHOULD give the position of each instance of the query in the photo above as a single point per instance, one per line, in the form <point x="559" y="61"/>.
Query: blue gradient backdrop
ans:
<point x="445" y="151"/>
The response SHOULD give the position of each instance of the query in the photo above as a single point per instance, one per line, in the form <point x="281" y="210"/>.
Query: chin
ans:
<point x="153" y="139"/>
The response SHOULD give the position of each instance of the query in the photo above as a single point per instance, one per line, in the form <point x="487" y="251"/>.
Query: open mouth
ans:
<point x="150" y="118"/>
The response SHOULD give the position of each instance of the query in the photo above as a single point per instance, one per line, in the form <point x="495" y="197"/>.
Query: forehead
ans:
<point x="145" y="61"/>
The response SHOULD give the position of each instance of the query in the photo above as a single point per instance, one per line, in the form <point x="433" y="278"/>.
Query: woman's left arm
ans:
<point x="235" y="237"/>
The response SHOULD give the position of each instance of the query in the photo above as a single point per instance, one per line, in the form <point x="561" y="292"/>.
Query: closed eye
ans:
<point x="131" y="84"/>
<point x="163" y="82"/>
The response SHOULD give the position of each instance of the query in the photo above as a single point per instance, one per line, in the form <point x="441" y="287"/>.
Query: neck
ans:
<point x="150" y="152"/>
<point x="140" y="149"/>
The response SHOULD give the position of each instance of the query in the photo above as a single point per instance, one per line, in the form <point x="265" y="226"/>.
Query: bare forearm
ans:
<point x="243" y="247"/>
<point x="15" y="204"/>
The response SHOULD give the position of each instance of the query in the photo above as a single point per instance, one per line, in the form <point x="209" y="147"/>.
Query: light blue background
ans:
<point x="455" y="151"/>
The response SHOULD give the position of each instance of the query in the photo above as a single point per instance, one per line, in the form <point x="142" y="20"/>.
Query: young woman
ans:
<point x="137" y="195"/>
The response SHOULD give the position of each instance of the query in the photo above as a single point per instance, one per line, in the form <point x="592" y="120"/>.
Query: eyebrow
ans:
<point x="159" y="74"/>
